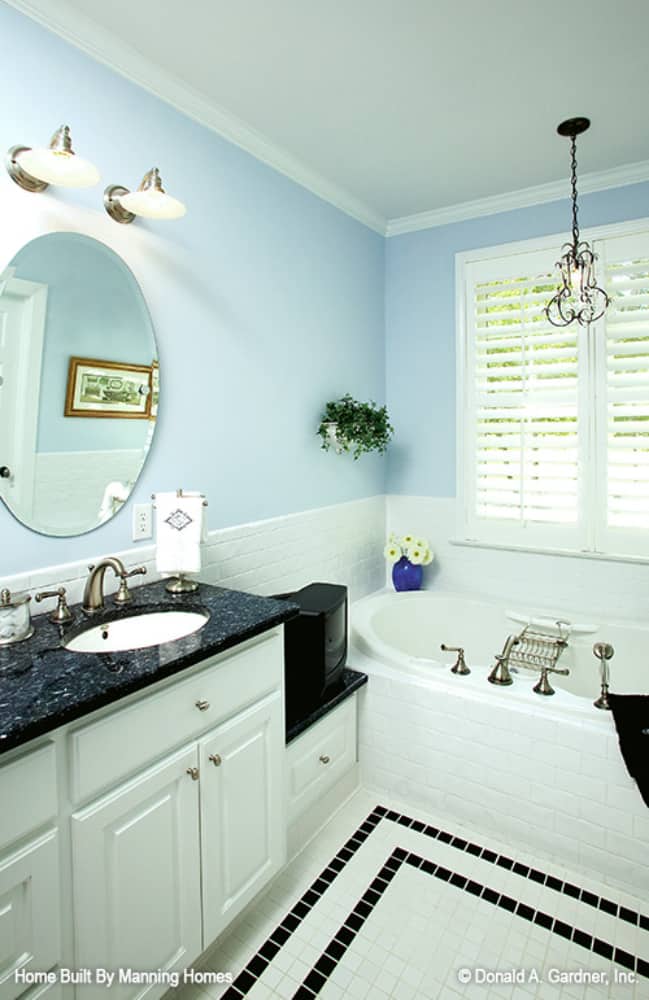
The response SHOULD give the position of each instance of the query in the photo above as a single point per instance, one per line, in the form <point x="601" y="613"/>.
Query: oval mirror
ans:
<point x="79" y="382"/>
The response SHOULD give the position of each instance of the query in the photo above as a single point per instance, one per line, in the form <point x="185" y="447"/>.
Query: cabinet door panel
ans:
<point x="23" y="812"/>
<point x="137" y="879"/>
<point x="242" y="811"/>
<point x="319" y="758"/>
<point x="29" y="912"/>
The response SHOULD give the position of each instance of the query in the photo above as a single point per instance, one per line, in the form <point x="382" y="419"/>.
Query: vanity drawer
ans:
<point x="28" y="793"/>
<point x="115" y="746"/>
<point x="320" y="757"/>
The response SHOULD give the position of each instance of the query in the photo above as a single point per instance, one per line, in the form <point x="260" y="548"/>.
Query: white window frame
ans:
<point x="558" y="539"/>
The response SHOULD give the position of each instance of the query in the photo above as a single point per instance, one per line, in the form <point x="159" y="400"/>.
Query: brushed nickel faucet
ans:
<point x="459" y="667"/>
<point x="604" y="652"/>
<point x="532" y="650"/>
<point x="500" y="673"/>
<point x="93" y="594"/>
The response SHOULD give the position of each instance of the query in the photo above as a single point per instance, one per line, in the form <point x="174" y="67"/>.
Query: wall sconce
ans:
<point x="35" y="169"/>
<point x="150" y="201"/>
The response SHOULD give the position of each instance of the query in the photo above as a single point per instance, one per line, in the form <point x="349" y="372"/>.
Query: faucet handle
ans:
<point x="459" y="667"/>
<point x="124" y="595"/>
<point x="61" y="613"/>
<point x="138" y="571"/>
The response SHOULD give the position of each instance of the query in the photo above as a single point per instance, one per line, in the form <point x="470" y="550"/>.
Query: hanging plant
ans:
<point x="348" y="425"/>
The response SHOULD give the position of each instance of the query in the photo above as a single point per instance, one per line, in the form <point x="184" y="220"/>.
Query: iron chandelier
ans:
<point x="578" y="297"/>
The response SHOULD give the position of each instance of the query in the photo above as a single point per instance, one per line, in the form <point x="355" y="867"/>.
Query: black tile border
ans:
<point x="354" y="921"/>
<point x="345" y="934"/>
<point x="518" y="868"/>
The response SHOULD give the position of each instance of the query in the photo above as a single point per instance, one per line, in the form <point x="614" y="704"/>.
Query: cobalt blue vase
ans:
<point x="407" y="575"/>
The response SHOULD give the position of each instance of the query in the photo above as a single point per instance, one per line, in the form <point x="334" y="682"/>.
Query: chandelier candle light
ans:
<point x="578" y="296"/>
<point x="408" y="555"/>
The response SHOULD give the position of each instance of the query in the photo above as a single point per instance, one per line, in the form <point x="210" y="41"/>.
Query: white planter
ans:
<point x="339" y="446"/>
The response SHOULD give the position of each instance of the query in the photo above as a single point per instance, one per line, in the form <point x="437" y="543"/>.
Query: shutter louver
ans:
<point x="627" y="375"/>
<point x="526" y="405"/>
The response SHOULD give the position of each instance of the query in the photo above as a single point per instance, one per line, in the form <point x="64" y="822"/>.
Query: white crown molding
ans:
<point x="630" y="173"/>
<point x="102" y="45"/>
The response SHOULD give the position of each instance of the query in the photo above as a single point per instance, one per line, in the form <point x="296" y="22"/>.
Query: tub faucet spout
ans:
<point x="500" y="673"/>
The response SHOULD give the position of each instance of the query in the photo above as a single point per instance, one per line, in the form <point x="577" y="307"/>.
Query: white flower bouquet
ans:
<point x="416" y="550"/>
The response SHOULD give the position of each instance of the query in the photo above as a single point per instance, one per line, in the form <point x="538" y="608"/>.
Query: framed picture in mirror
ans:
<point x="108" y="389"/>
<point x="155" y="389"/>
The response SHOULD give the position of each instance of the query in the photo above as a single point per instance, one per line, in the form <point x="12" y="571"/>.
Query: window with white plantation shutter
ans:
<point x="555" y="421"/>
<point x="627" y="392"/>
<point x="522" y="467"/>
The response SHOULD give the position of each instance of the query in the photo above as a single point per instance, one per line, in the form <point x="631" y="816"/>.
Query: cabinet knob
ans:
<point x="202" y="705"/>
<point x="193" y="773"/>
<point x="216" y="759"/>
<point x="5" y="472"/>
<point x="324" y="758"/>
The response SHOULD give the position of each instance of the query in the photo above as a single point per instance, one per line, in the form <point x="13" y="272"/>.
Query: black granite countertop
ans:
<point x="43" y="685"/>
<point x="350" y="681"/>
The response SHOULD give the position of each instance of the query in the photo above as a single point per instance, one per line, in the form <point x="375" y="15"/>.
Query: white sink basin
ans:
<point x="138" y="631"/>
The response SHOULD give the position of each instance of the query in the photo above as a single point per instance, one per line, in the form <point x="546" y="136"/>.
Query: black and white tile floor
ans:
<point x="389" y="904"/>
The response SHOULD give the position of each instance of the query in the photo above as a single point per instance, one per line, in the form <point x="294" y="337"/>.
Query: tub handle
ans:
<point x="459" y="667"/>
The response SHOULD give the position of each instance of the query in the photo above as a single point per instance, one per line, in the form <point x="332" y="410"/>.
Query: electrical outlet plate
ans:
<point x="142" y="521"/>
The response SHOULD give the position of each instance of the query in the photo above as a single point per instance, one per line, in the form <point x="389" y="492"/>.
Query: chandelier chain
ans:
<point x="573" y="183"/>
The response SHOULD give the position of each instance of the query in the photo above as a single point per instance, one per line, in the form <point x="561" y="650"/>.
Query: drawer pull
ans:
<point x="216" y="759"/>
<point x="324" y="758"/>
<point x="202" y="705"/>
<point x="193" y="773"/>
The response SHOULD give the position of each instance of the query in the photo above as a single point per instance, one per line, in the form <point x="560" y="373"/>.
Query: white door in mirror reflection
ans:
<point x="23" y="306"/>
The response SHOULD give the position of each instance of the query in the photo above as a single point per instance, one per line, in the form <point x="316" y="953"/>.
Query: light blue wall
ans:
<point x="420" y="326"/>
<point x="266" y="300"/>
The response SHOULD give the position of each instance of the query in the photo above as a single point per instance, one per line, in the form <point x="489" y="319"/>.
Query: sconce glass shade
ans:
<point x="151" y="200"/>
<point x="57" y="164"/>
<point x="61" y="169"/>
<point x="153" y="205"/>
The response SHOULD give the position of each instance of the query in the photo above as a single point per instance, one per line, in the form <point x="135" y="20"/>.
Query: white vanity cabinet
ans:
<point x="243" y="823"/>
<point x="320" y="757"/>
<point x="29" y="912"/>
<point x="29" y="868"/>
<point x="137" y="896"/>
<point x="169" y="817"/>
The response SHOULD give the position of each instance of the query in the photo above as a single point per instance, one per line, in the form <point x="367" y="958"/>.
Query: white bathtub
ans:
<point x="542" y="773"/>
<point x="406" y="631"/>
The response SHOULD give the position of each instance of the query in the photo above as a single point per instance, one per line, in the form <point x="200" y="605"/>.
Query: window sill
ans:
<point x="569" y="553"/>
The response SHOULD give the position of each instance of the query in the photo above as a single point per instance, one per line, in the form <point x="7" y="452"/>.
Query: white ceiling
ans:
<point x="390" y="107"/>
